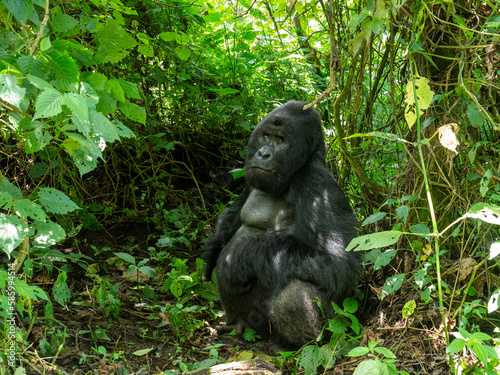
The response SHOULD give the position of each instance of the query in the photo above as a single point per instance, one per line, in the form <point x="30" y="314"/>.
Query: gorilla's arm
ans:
<point x="227" y="225"/>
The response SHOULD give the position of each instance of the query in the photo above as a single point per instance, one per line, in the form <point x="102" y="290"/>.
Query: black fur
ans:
<point x="281" y="244"/>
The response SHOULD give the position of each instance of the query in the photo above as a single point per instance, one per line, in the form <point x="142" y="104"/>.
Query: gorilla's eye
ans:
<point x="281" y="139"/>
<point x="265" y="135"/>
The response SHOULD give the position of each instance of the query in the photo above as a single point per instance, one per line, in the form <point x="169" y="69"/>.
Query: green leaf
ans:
<point x="358" y="352"/>
<point x="147" y="51"/>
<point x="368" y="367"/>
<point x="183" y="53"/>
<point x="13" y="190"/>
<point x="373" y="218"/>
<point x="40" y="83"/>
<point x="142" y="352"/>
<point x="62" y="293"/>
<point x="168" y="36"/>
<point x="77" y="104"/>
<point x="480" y="351"/>
<point x="116" y="89"/>
<point x="424" y="96"/>
<point x="374" y="240"/>
<point x="130" y="89"/>
<point x="126" y="257"/>
<point x="409" y="308"/>
<point x="27" y="208"/>
<point x="350" y="305"/>
<point x="403" y="211"/>
<point x="249" y="335"/>
<point x="56" y="201"/>
<point x="63" y="22"/>
<point x="48" y="234"/>
<point x="20" y="9"/>
<point x="65" y="67"/>
<point x="385" y="258"/>
<point x="48" y="104"/>
<point x="10" y="90"/>
<point x="114" y="42"/>
<point x="12" y="232"/>
<point x="310" y="359"/>
<point x="485" y="181"/>
<point x="385" y="352"/>
<point x="134" y="112"/>
<point x="36" y="140"/>
<point x="97" y="81"/>
<point x="475" y="116"/>
<point x="23" y="289"/>
<point x="392" y="284"/>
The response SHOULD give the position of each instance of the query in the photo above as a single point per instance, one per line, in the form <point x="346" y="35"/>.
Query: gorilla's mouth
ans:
<point x="264" y="169"/>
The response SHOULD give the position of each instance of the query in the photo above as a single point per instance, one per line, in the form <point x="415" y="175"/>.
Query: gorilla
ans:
<point x="280" y="248"/>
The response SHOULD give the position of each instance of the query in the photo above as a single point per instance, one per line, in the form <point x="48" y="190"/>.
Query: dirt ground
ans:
<point x="140" y="347"/>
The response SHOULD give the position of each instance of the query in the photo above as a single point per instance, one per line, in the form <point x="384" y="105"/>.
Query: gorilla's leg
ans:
<point x="246" y="307"/>
<point x="295" y="315"/>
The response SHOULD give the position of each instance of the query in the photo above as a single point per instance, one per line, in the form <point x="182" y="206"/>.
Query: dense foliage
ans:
<point x="134" y="112"/>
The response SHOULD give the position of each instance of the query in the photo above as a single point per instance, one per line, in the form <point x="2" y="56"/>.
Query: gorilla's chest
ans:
<point x="262" y="212"/>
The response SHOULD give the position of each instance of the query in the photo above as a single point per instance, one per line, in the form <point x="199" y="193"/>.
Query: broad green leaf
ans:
<point x="97" y="81"/>
<point x="56" y="201"/>
<point x="63" y="22"/>
<point x="385" y="352"/>
<point x="77" y="104"/>
<point x="126" y="257"/>
<point x="368" y="367"/>
<point x="374" y="240"/>
<point x="23" y="289"/>
<point x="65" y="67"/>
<point x="424" y="96"/>
<point x="403" y="211"/>
<point x="183" y="53"/>
<point x="130" y="89"/>
<point x="114" y="42"/>
<point x="475" y="116"/>
<point x="147" y="51"/>
<point x="62" y="293"/>
<point x="310" y="358"/>
<point x="7" y="186"/>
<point x="409" y="309"/>
<point x="142" y="352"/>
<point x="168" y="36"/>
<point x="48" y="234"/>
<point x="48" y="104"/>
<point x="134" y="112"/>
<point x="358" y="352"/>
<point x="36" y="140"/>
<point x="40" y="83"/>
<point x="385" y="258"/>
<point x="116" y="89"/>
<point x="6" y="200"/>
<point x="373" y="218"/>
<point x="27" y="208"/>
<point x="21" y="9"/>
<point x="10" y="91"/>
<point x="392" y="284"/>
<point x="485" y="181"/>
<point x="12" y="232"/>
<point x="84" y="161"/>
<point x="122" y="130"/>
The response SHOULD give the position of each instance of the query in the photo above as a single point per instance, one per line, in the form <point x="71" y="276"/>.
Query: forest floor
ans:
<point x="133" y="342"/>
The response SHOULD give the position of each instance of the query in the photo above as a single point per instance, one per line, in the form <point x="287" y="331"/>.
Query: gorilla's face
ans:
<point x="281" y="145"/>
